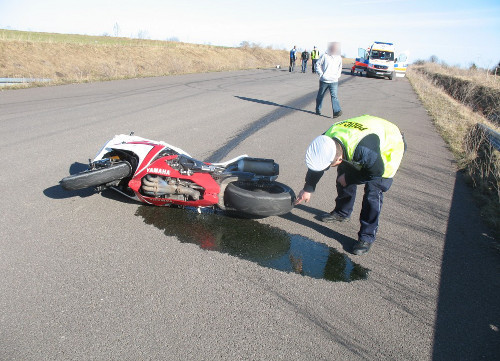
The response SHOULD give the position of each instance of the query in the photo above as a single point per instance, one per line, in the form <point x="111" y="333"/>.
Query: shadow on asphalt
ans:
<point x="77" y="167"/>
<point x="346" y="242"/>
<point x="116" y="196"/>
<point x="56" y="192"/>
<point x="468" y="314"/>
<point x="247" y="239"/>
<point x="261" y="123"/>
<point x="266" y="102"/>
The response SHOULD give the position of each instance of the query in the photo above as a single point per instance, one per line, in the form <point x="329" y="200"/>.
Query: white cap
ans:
<point x="320" y="153"/>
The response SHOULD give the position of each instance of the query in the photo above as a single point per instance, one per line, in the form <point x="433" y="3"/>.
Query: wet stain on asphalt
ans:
<point x="247" y="239"/>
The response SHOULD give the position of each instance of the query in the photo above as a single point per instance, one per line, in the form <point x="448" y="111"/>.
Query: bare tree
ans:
<point x="142" y="34"/>
<point x="433" y="59"/>
<point x="116" y="29"/>
<point x="496" y="69"/>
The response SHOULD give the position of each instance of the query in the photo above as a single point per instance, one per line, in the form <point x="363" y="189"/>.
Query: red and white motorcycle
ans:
<point x="160" y="174"/>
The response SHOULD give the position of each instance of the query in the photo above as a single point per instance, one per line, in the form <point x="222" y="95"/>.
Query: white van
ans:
<point x="378" y="61"/>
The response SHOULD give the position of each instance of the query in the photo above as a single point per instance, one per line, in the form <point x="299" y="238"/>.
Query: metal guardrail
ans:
<point x="13" y="81"/>
<point x="493" y="136"/>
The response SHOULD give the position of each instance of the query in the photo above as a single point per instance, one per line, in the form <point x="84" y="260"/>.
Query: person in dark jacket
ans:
<point x="367" y="150"/>
<point x="293" y="58"/>
<point x="305" y="59"/>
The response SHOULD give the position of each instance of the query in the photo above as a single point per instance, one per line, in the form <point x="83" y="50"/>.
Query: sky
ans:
<point x="456" y="31"/>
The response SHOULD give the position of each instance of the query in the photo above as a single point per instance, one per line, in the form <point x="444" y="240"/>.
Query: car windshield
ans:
<point x="382" y="55"/>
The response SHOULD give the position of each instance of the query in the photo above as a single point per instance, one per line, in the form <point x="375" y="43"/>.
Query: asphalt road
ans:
<point x="89" y="276"/>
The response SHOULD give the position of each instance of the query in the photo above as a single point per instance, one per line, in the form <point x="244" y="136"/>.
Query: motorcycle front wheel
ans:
<point x="270" y="200"/>
<point x="97" y="177"/>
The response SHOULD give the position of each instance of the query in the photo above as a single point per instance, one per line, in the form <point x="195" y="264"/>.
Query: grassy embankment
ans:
<point x="80" y="58"/>
<point x="457" y="99"/>
<point x="69" y="58"/>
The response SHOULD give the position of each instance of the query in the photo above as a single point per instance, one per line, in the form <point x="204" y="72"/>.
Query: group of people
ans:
<point x="367" y="150"/>
<point x="304" y="56"/>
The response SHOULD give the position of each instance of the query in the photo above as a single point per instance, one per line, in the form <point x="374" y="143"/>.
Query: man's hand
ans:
<point x="341" y="180"/>
<point x="303" y="196"/>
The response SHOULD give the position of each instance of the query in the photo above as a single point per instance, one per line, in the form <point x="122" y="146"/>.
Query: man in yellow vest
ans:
<point x="314" y="58"/>
<point x="367" y="150"/>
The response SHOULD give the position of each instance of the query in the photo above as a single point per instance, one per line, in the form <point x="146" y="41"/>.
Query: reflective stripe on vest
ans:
<point x="314" y="54"/>
<point x="351" y="131"/>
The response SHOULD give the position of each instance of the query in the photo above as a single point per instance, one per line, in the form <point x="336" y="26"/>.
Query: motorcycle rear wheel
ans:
<point x="272" y="200"/>
<point x="97" y="177"/>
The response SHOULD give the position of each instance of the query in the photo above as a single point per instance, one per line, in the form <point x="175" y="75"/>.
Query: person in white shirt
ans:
<point x="329" y="68"/>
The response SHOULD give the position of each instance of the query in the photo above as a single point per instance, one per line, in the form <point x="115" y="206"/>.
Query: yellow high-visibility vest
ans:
<point x="351" y="131"/>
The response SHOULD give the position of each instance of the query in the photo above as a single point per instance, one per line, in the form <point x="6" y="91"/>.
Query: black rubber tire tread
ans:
<point x="260" y="202"/>
<point x="97" y="177"/>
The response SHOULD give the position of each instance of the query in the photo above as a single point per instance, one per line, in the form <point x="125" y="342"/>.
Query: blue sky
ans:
<point x="458" y="32"/>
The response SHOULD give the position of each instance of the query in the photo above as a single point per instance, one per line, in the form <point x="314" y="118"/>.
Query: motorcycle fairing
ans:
<point x="147" y="150"/>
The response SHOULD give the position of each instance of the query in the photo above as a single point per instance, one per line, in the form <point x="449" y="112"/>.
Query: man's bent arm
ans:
<point x="319" y="66"/>
<point x="312" y="179"/>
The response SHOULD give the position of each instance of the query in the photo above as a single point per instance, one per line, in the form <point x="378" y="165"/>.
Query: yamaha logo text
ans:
<point x="158" y="171"/>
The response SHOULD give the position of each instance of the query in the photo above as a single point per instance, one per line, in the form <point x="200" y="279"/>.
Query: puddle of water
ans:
<point x="247" y="239"/>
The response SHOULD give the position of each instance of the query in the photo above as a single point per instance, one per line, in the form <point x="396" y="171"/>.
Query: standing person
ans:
<point x="329" y="68"/>
<point x="305" y="59"/>
<point x="293" y="58"/>
<point x="367" y="150"/>
<point x="314" y="59"/>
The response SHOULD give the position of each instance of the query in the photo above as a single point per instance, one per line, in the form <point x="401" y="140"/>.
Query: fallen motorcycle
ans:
<point x="160" y="174"/>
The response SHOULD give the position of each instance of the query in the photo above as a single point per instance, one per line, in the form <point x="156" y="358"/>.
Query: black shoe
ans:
<point x="318" y="112"/>
<point x="361" y="248"/>
<point x="333" y="217"/>
<point x="336" y="115"/>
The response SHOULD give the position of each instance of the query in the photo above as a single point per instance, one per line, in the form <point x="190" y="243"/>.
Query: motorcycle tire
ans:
<point x="96" y="177"/>
<point x="246" y="198"/>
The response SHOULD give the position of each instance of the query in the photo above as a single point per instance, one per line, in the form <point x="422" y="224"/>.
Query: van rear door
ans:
<point x="401" y="64"/>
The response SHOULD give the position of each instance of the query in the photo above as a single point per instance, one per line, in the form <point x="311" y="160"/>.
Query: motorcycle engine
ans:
<point x="168" y="187"/>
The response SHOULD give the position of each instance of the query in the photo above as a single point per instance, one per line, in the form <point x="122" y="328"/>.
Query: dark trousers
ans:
<point x="372" y="205"/>
<point x="314" y="61"/>
<point x="292" y="65"/>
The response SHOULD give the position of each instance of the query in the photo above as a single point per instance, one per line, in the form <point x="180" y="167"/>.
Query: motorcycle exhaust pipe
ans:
<point x="194" y="194"/>
<point x="157" y="186"/>
<point x="258" y="166"/>
<point x="157" y="190"/>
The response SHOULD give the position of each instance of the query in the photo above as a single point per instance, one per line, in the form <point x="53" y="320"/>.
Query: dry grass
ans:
<point x="456" y="122"/>
<point x="474" y="88"/>
<point x="478" y="76"/>
<point x="78" y="58"/>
